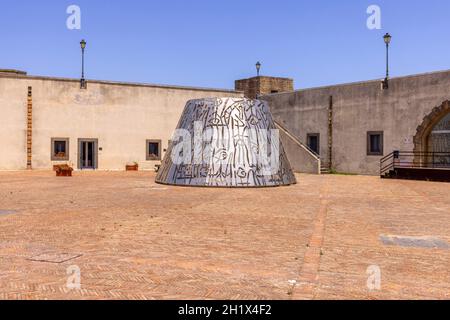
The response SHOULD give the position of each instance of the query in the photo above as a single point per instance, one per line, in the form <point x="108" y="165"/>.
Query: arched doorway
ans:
<point x="433" y="137"/>
<point x="439" y="138"/>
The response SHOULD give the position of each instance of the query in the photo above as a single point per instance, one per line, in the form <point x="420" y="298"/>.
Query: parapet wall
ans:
<point x="357" y="109"/>
<point x="122" y="116"/>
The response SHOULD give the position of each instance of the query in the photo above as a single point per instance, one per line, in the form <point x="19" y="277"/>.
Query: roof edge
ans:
<point x="362" y="82"/>
<point x="117" y="83"/>
<point x="266" y="77"/>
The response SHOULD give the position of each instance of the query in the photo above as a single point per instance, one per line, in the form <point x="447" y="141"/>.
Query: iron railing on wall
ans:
<point x="414" y="160"/>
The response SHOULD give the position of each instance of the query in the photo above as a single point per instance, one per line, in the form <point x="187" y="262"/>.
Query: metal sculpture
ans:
<point x="226" y="142"/>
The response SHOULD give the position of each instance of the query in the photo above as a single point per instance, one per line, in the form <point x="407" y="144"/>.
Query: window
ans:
<point x="274" y="91"/>
<point x="153" y="150"/>
<point x="313" y="141"/>
<point x="60" y="149"/>
<point x="375" y="143"/>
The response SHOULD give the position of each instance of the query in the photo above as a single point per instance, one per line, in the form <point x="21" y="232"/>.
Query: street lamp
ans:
<point x="258" y="67"/>
<point x="82" y="81"/>
<point x="387" y="40"/>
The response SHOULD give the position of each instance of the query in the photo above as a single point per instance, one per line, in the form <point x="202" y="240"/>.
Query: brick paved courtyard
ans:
<point x="133" y="239"/>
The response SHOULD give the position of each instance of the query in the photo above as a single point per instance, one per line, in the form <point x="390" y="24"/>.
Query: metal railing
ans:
<point x="414" y="160"/>
<point x="294" y="138"/>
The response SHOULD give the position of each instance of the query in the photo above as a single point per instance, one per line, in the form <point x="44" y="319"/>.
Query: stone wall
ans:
<point x="121" y="116"/>
<point x="256" y="86"/>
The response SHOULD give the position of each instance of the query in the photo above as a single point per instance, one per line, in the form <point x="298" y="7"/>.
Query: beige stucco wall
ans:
<point x="121" y="116"/>
<point x="359" y="108"/>
<point x="13" y="125"/>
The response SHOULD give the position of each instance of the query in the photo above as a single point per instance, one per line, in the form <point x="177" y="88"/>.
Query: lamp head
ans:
<point x="387" y="38"/>
<point x="258" y="66"/>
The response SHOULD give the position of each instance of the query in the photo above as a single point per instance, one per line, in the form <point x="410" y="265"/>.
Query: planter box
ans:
<point x="132" y="167"/>
<point x="63" y="170"/>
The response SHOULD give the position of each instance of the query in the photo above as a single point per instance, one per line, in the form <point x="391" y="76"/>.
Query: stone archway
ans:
<point x="424" y="130"/>
<point x="421" y="139"/>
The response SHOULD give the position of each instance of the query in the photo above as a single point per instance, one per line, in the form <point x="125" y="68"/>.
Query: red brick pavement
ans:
<point x="139" y="240"/>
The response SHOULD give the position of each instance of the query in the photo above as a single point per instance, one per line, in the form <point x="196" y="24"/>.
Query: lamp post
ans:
<point x="387" y="40"/>
<point x="82" y="81"/>
<point x="258" y="68"/>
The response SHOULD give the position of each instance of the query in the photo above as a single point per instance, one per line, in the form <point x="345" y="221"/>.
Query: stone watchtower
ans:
<point x="260" y="85"/>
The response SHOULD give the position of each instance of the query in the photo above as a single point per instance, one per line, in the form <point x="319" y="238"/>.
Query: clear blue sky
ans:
<point x="211" y="43"/>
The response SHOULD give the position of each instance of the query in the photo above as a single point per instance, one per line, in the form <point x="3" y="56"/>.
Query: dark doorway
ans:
<point x="313" y="141"/>
<point x="87" y="154"/>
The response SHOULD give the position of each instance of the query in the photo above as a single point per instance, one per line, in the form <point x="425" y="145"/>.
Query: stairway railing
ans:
<point x="313" y="158"/>
<point x="297" y="140"/>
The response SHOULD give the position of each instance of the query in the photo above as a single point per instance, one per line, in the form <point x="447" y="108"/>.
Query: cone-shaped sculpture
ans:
<point x="226" y="142"/>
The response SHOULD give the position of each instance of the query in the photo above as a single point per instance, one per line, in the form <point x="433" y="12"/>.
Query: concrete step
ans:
<point x="325" y="170"/>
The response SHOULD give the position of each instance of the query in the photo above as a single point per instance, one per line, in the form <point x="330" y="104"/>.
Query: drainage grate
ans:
<point x="414" y="242"/>
<point x="55" y="257"/>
